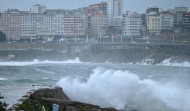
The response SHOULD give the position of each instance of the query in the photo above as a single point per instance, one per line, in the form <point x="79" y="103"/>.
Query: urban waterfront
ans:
<point x="98" y="52"/>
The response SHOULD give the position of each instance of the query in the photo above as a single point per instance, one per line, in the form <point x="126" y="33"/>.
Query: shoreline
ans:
<point x="48" y="96"/>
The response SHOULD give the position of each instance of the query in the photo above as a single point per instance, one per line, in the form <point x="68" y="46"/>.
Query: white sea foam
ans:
<point x="2" y="79"/>
<point x="123" y="90"/>
<point x="77" y="60"/>
<point x="36" y="61"/>
<point x="146" y="62"/>
<point x="168" y="62"/>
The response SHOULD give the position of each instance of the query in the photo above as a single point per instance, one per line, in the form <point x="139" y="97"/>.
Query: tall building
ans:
<point x="28" y="28"/>
<point x="178" y="16"/>
<point x="101" y="7"/>
<point x="38" y="8"/>
<point x="153" y="21"/>
<point x="166" y="22"/>
<point x="99" y="25"/>
<point x="117" y="8"/>
<point x="186" y="21"/>
<point x="154" y="24"/>
<point x="50" y="25"/>
<point x="115" y="11"/>
<point x="132" y="25"/>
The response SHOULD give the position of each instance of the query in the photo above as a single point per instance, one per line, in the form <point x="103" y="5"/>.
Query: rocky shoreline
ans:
<point x="47" y="97"/>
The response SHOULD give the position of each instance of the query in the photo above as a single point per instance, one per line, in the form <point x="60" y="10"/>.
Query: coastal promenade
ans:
<point x="66" y="46"/>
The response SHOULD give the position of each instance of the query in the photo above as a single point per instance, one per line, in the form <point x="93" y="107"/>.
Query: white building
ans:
<point x="117" y="8"/>
<point x="114" y="11"/>
<point x="38" y="8"/>
<point x="132" y="25"/>
<point x="28" y="26"/>
<point x="50" y="25"/>
<point x="11" y="25"/>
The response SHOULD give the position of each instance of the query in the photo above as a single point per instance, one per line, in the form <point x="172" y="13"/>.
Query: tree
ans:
<point x="2" y="37"/>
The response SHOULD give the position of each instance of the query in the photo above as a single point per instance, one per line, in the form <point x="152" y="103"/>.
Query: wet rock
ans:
<point x="56" y="93"/>
<point x="1" y="97"/>
<point x="48" y="97"/>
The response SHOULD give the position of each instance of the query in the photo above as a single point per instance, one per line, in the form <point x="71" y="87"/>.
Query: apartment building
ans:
<point x="75" y="25"/>
<point x="101" y="7"/>
<point x="186" y="21"/>
<point x="38" y="8"/>
<point x="154" y="24"/>
<point x="50" y="25"/>
<point x="153" y="21"/>
<point x="115" y="12"/>
<point x="178" y="16"/>
<point x="99" y="24"/>
<point x="28" y="26"/>
<point x="132" y="25"/>
<point x="11" y="25"/>
<point x="166" y="22"/>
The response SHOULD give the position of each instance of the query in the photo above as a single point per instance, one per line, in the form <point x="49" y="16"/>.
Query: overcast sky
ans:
<point x="132" y="5"/>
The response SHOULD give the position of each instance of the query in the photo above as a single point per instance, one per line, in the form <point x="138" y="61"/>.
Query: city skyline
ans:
<point x="65" y="4"/>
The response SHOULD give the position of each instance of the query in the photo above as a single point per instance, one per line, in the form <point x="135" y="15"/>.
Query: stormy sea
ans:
<point x="143" y="87"/>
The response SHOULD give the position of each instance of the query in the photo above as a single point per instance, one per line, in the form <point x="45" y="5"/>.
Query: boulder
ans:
<point x="56" y="93"/>
<point x="48" y="97"/>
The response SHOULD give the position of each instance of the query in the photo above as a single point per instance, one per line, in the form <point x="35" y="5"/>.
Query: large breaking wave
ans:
<point x="125" y="90"/>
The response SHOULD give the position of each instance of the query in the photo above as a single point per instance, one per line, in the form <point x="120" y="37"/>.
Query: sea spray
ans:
<point x="125" y="90"/>
<point x="171" y="62"/>
<point x="36" y="61"/>
<point x="3" y="79"/>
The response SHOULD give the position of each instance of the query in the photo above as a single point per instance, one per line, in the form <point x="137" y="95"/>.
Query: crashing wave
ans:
<point x="174" y="62"/>
<point x="125" y="90"/>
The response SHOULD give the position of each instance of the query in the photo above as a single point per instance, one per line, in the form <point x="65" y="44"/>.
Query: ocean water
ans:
<point x="122" y="86"/>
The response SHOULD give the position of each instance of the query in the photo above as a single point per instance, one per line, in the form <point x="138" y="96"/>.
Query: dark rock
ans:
<point x="57" y="96"/>
<point x="1" y="97"/>
<point x="56" y="93"/>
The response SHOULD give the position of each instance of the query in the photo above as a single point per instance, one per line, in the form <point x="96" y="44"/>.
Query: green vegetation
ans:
<point x="28" y="105"/>
<point x="2" y="37"/>
<point x="3" y="106"/>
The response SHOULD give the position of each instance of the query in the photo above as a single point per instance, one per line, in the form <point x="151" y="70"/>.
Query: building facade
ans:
<point x="132" y="25"/>
<point x="186" y="21"/>
<point x="50" y="25"/>
<point x="28" y="26"/>
<point x="75" y="25"/>
<point x="101" y="7"/>
<point x="178" y="16"/>
<point x="115" y="11"/>
<point x="153" y="21"/>
<point x="166" y="22"/>
<point x="11" y="25"/>
<point x="99" y="25"/>
<point x="38" y="8"/>
<point x="154" y="24"/>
